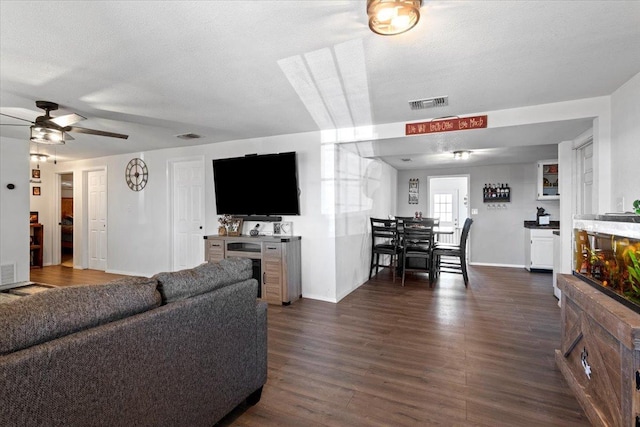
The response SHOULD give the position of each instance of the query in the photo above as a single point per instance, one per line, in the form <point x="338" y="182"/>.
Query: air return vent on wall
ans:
<point x="7" y="274"/>
<point x="421" y="104"/>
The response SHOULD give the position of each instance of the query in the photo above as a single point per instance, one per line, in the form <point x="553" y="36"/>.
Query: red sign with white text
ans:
<point x="446" y="125"/>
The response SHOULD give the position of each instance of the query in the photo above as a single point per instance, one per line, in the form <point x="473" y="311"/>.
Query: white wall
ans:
<point x="14" y="206"/>
<point x="364" y="188"/>
<point x="497" y="235"/>
<point x="45" y="206"/>
<point x="625" y="134"/>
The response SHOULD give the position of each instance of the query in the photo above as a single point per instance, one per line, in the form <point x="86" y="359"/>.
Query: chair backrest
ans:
<point x="383" y="228"/>
<point x="428" y="221"/>
<point x="465" y="233"/>
<point x="417" y="231"/>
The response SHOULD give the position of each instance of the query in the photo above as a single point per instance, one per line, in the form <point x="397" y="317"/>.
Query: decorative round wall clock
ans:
<point x="136" y="174"/>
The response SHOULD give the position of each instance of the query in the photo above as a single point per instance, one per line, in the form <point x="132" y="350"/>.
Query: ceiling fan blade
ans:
<point x="14" y="117"/>
<point x="11" y="124"/>
<point x="67" y="120"/>
<point x="96" y="132"/>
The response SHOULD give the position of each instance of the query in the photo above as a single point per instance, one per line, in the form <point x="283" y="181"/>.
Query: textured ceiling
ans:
<point x="241" y="69"/>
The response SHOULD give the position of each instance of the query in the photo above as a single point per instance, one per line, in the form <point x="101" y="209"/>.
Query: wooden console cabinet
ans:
<point x="279" y="259"/>
<point x="599" y="354"/>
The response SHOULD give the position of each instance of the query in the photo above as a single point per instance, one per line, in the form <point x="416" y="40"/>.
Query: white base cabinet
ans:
<point x="538" y="249"/>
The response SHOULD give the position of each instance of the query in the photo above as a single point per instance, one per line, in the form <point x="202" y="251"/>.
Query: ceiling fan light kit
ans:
<point x="391" y="17"/>
<point x="43" y="135"/>
<point x="54" y="130"/>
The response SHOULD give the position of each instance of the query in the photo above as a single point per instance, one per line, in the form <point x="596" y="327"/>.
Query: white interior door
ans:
<point x="97" y="215"/>
<point x="448" y="202"/>
<point x="188" y="213"/>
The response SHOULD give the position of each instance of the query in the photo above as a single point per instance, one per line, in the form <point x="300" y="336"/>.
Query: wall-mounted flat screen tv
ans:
<point x="257" y="185"/>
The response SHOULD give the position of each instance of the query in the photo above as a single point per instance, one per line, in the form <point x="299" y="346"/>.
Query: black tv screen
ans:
<point x="257" y="185"/>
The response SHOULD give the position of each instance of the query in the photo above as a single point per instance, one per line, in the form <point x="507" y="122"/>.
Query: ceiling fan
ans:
<point x="53" y="130"/>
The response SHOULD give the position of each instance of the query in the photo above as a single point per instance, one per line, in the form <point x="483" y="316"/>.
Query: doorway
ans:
<point x="449" y="201"/>
<point x="66" y="219"/>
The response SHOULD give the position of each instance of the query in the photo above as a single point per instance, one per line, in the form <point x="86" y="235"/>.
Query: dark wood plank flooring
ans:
<point x="388" y="355"/>
<point x="413" y="356"/>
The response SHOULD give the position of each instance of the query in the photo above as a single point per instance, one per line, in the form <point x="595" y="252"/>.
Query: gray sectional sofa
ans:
<point x="178" y="349"/>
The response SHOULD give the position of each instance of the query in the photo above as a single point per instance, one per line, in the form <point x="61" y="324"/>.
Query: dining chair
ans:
<point x="417" y="243"/>
<point x="401" y="220"/>
<point x="451" y="258"/>
<point x="384" y="241"/>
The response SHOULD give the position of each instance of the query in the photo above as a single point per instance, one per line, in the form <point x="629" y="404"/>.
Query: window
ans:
<point x="443" y="207"/>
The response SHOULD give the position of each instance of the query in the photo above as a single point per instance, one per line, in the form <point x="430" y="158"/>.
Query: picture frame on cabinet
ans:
<point x="283" y="228"/>
<point x="235" y="227"/>
<point x="33" y="217"/>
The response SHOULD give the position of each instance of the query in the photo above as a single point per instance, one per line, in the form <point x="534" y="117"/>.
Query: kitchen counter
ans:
<point x="553" y="225"/>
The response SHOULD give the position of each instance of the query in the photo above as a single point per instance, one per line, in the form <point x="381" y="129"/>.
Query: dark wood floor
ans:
<point x="413" y="356"/>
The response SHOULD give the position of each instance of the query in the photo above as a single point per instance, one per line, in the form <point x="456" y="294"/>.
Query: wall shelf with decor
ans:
<point x="496" y="193"/>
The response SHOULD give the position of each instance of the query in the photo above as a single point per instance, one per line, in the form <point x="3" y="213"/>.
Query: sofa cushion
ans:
<point x="178" y="285"/>
<point x="62" y="311"/>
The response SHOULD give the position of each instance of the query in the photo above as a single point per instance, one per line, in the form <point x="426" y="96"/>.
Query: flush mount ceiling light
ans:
<point x="391" y="17"/>
<point x="461" y="155"/>
<point x="49" y="136"/>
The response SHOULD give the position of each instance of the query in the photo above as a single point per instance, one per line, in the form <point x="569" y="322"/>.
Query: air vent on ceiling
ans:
<point x="188" y="136"/>
<point x="421" y="104"/>
<point x="406" y="160"/>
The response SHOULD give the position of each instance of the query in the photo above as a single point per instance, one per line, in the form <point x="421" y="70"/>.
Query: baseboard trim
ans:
<point x="125" y="273"/>
<point x="490" y="264"/>
<point x="319" y="298"/>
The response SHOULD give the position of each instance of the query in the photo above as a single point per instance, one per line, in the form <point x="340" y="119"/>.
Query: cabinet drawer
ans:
<point x="272" y="250"/>
<point x="215" y="251"/>
<point x="536" y="232"/>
